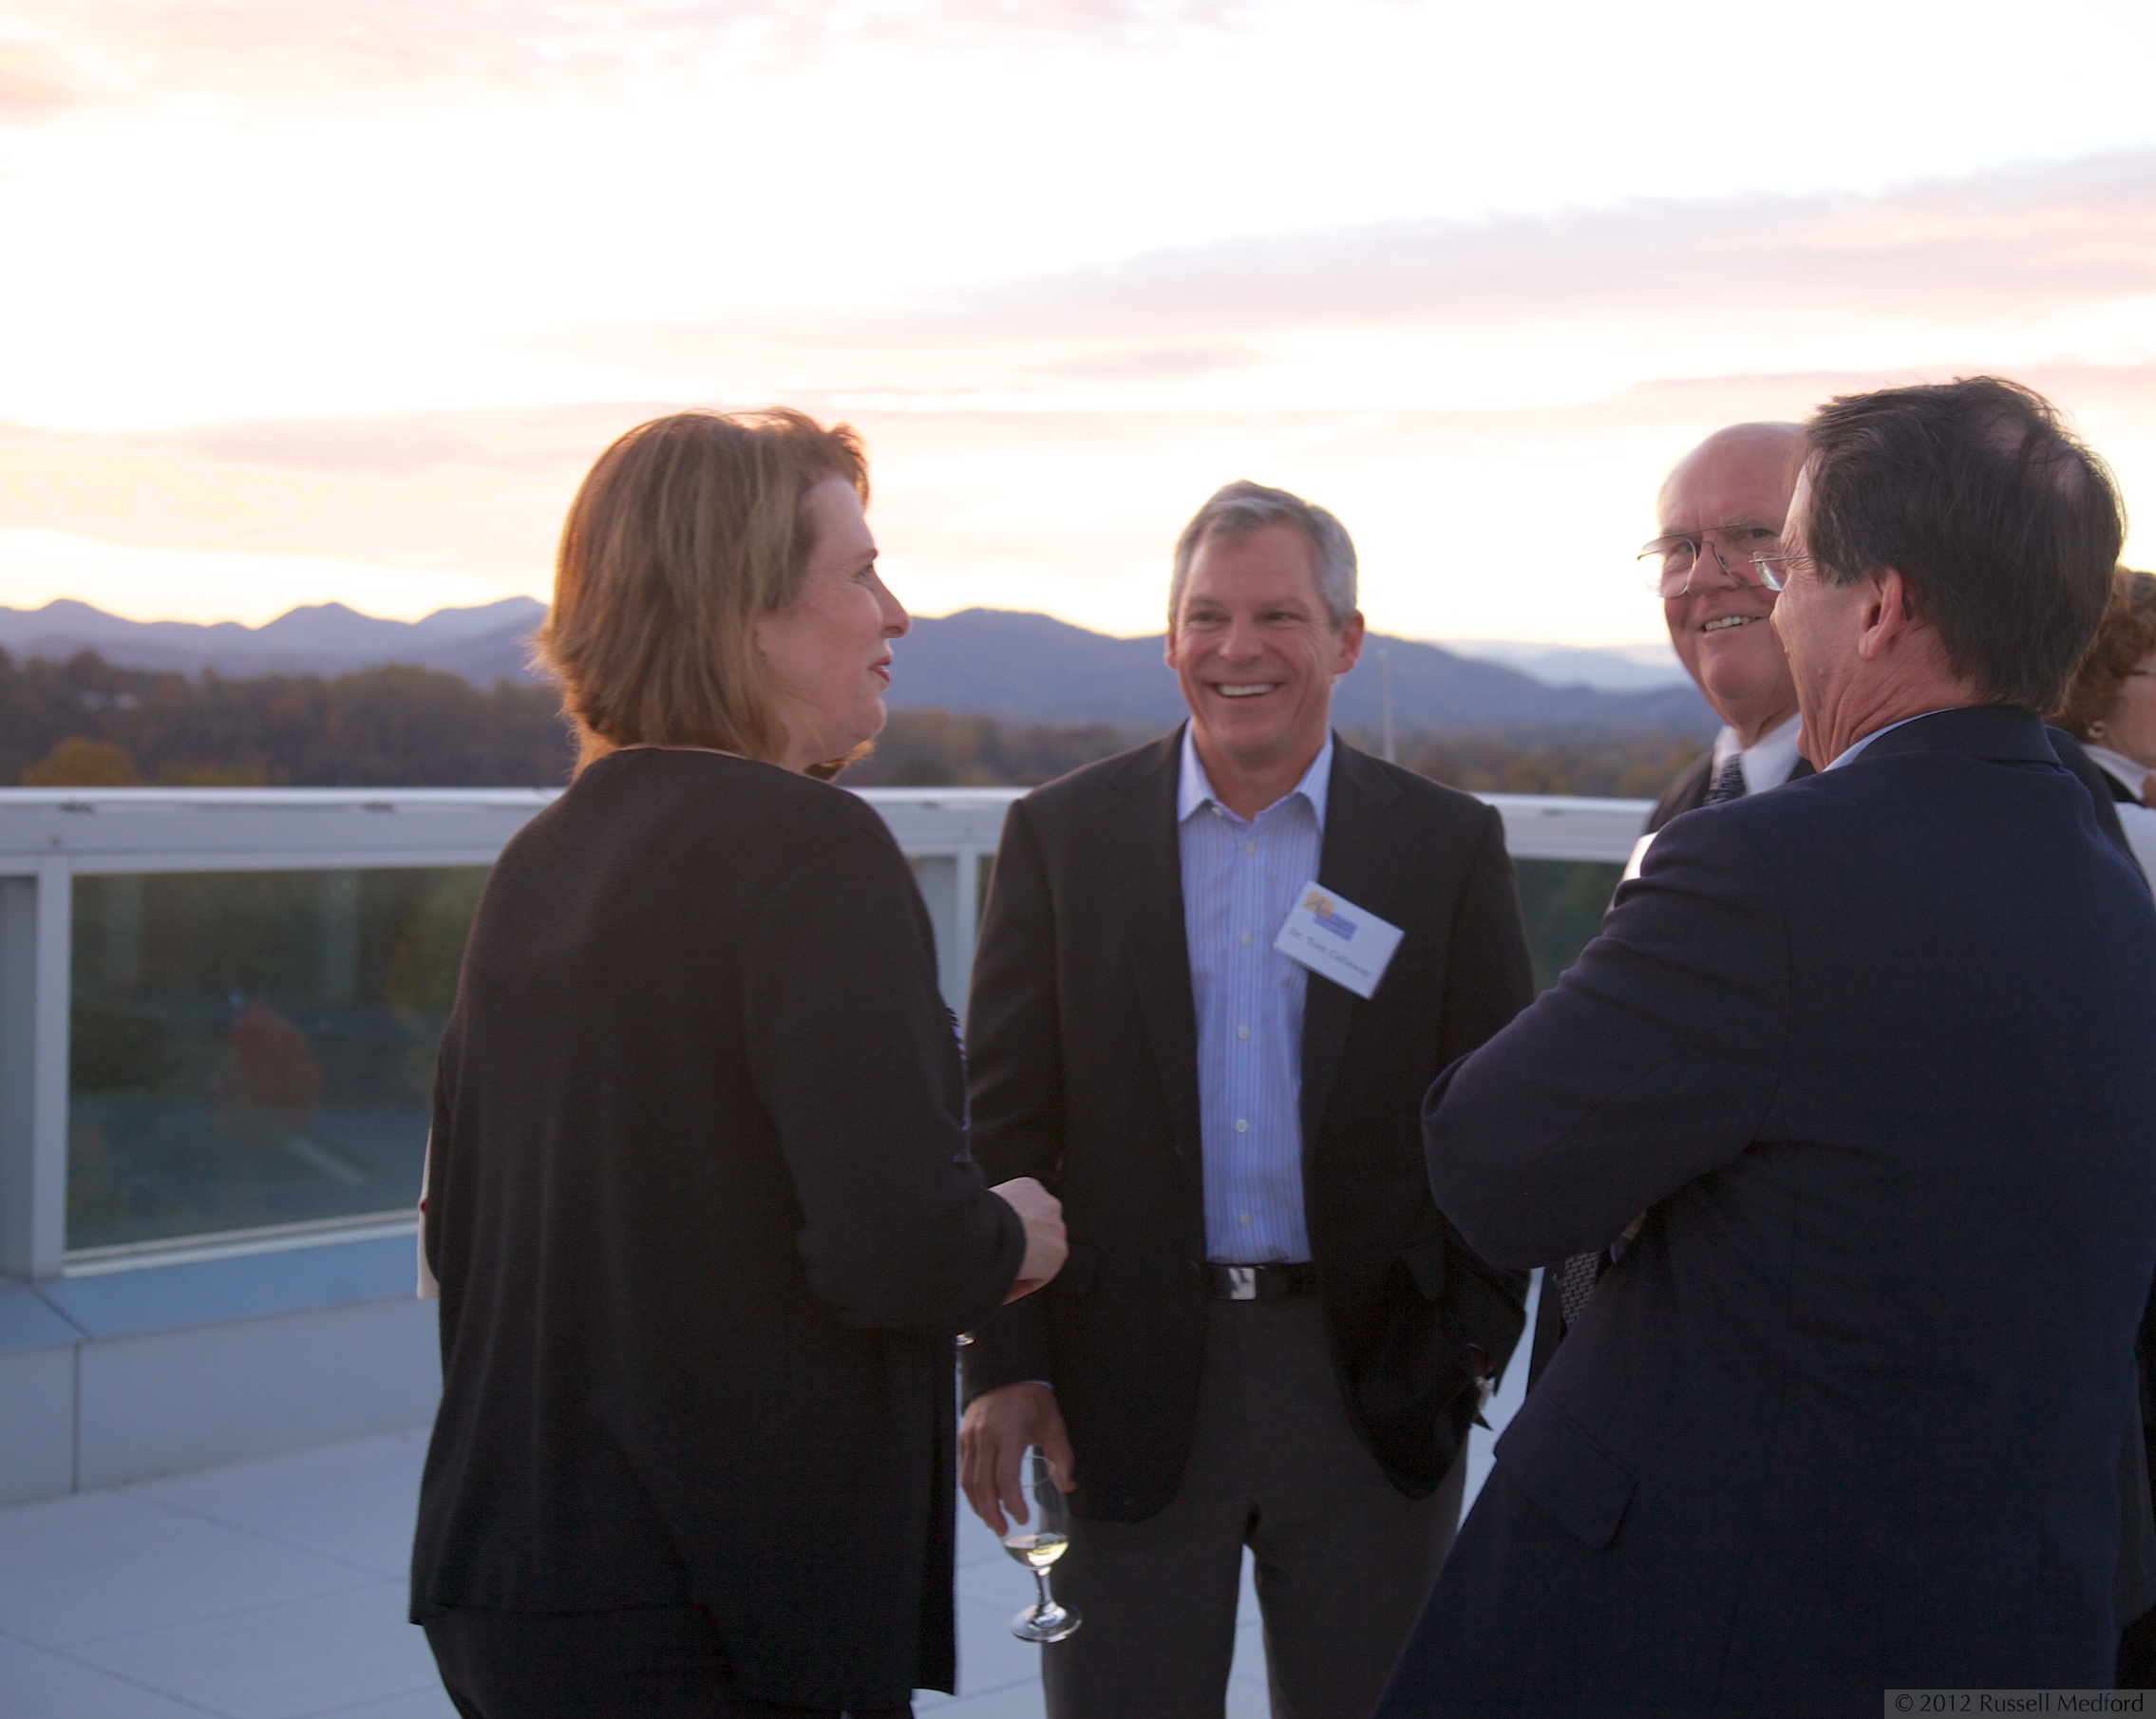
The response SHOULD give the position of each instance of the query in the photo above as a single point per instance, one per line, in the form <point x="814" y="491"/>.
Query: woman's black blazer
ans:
<point x="703" y="1232"/>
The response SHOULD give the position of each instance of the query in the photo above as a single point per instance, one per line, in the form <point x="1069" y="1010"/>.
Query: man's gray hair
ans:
<point x="1234" y="510"/>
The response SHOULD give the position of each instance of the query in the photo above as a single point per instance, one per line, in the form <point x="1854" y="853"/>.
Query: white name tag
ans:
<point x="1329" y="935"/>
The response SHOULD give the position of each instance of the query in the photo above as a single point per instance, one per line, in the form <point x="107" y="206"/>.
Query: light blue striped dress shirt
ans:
<point x="1239" y="882"/>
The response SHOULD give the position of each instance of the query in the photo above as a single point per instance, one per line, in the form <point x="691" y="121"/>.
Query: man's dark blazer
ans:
<point x="1876" y="1055"/>
<point x="2104" y="788"/>
<point x="1082" y="1040"/>
<point x="1687" y="792"/>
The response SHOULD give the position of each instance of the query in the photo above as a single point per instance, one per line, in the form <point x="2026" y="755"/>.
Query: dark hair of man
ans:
<point x="2003" y="526"/>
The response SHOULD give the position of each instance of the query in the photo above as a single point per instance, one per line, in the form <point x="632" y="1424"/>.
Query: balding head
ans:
<point x="1734" y="488"/>
<point x="1763" y="454"/>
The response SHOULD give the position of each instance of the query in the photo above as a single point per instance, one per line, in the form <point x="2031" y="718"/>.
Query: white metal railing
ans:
<point x="50" y="836"/>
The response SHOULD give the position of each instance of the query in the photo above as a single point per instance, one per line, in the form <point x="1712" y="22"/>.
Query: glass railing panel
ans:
<point x="1562" y="901"/>
<point x="254" y="1047"/>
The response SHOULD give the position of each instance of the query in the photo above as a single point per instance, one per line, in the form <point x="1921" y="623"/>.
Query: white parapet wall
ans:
<point x="119" y="1363"/>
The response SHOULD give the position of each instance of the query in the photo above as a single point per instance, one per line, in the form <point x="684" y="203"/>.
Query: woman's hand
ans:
<point x="1047" y="1247"/>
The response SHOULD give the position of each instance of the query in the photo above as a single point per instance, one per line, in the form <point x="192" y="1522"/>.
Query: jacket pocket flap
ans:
<point x="1076" y="1277"/>
<point x="1577" y="1483"/>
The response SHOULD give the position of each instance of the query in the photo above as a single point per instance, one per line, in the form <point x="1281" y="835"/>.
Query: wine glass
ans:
<point x="1037" y="1548"/>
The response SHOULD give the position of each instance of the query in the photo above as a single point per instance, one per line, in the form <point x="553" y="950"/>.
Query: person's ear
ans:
<point x="1349" y="645"/>
<point x="1886" y="615"/>
<point x="1168" y="648"/>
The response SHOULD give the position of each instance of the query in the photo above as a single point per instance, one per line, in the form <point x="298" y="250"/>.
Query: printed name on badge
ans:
<point x="1329" y="935"/>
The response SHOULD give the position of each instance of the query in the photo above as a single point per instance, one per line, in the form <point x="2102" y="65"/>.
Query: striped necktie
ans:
<point x="1575" y="1280"/>
<point x="1728" y="780"/>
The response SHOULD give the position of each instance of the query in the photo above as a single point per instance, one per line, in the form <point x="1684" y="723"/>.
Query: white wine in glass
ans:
<point x="1037" y="1547"/>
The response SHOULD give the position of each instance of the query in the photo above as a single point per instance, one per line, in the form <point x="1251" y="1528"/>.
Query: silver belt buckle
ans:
<point x="1242" y="1283"/>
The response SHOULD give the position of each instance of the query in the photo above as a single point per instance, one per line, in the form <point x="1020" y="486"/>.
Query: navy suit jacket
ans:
<point x="1876" y="1055"/>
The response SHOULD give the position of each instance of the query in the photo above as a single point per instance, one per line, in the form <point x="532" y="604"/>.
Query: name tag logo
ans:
<point x="1332" y="937"/>
<point x="1326" y="911"/>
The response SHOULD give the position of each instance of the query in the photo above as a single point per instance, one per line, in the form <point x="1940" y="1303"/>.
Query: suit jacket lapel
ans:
<point x="1140" y="828"/>
<point x="1362" y="858"/>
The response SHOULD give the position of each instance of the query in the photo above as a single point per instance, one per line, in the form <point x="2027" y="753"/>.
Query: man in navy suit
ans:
<point x="1873" y="1061"/>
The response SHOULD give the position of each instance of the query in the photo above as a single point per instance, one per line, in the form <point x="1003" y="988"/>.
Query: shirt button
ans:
<point x="1243" y="1126"/>
<point x="1244" y="1220"/>
<point x="1246" y="939"/>
<point x="1250" y="847"/>
<point x="1242" y="1033"/>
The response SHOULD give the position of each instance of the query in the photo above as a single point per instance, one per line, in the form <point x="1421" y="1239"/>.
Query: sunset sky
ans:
<point x="313" y="299"/>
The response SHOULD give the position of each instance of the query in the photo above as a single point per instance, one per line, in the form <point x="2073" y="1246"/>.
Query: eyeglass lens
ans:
<point x="1668" y="561"/>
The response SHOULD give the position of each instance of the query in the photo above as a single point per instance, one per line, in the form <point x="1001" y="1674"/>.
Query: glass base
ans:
<point x="1050" y="1622"/>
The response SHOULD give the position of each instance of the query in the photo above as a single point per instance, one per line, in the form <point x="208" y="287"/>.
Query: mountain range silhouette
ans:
<point x="1014" y="666"/>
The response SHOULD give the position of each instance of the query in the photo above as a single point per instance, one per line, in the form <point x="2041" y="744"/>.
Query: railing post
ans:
<point x="965" y="929"/>
<point x="937" y="875"/>
<point x="36" y="926"/>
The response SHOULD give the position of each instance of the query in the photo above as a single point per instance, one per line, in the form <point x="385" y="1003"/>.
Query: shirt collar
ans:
<point x="1193" y="791"/>
<point x="1849" y="753"/>
<point x="2130" y="775"/>
<point x="1769" y="760"/>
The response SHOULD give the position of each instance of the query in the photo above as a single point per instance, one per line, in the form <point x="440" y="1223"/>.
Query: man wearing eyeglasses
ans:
<point x="1718" y="566"/>
<point x="1875" y="1056"/>
<point x="1721" y="505"/>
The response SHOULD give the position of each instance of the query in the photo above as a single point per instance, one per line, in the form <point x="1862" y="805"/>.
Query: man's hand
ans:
<point x="991" y="1445"/>
<point x="1047" y="1247"/>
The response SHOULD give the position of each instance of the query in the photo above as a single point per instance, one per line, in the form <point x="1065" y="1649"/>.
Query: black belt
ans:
<point x="1262" y="1282"/>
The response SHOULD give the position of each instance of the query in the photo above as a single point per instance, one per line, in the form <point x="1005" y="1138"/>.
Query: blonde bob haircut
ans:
<point x="687" y="531"/>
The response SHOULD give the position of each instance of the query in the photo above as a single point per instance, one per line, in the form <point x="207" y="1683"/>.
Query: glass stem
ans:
<point x="1040" y="1585"/>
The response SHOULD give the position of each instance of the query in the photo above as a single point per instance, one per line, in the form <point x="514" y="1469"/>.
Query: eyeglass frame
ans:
<point x="1768" y="579"/>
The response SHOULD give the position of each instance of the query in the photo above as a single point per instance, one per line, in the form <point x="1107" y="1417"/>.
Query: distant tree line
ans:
<point x="1596" y="761"/>
<point x="87" y="723"/>
<point x="937" y="749"/>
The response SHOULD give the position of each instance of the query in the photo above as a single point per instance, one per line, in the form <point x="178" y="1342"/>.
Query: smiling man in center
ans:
<point x="1267" y="1335"/>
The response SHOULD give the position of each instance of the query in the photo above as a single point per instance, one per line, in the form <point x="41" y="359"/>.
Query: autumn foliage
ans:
<point x="87" y="724"/>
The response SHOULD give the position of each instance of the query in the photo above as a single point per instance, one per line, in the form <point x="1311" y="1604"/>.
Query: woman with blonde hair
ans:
<point x="2110" y="706"/>
<point x="699" y="1204"/>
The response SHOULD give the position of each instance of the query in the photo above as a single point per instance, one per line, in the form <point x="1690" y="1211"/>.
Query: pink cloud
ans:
<point x="62" y="53"/>
<point x="35" y="83"/>
<point x="551" y="446"/>
<point x="1072" y="511"/>
<point x="2008" y="246"/>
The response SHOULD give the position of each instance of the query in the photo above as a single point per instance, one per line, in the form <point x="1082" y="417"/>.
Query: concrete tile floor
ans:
<point x="274" y="1589"/>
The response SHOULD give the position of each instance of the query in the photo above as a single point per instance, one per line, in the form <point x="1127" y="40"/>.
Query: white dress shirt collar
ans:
<point x="1766" y="762"/>
<point x="1849" y="755"/>
<point x="2133" y="776"/>
<point x="1194" y="789"/>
